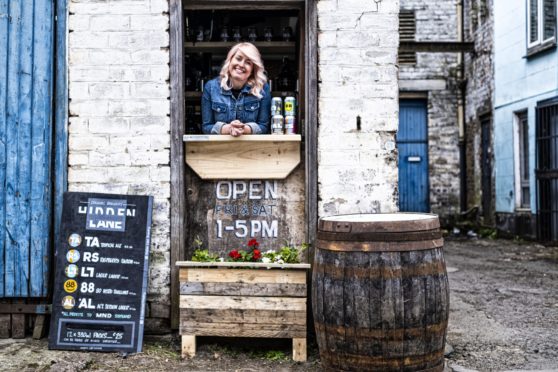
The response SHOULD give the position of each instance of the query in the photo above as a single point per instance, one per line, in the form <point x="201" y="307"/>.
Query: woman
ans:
<point x="238" y="101"/>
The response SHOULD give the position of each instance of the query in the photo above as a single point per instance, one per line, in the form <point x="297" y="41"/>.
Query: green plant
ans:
<point x="203" y="255"/>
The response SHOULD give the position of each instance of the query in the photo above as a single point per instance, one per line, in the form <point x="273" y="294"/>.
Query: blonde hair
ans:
<point x="257" y="78"/>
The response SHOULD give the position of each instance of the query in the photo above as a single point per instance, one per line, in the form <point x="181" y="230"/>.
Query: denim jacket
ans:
<point x="219" y="107"/>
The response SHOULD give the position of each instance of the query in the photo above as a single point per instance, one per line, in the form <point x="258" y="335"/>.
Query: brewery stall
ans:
<point x="251" y="187"/>
<point x="241" y="190"/>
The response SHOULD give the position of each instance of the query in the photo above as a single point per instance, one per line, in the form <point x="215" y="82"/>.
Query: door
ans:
<point x="26" y="94"/>
<point x="486" y="168"/>
<point x="412" y="142"/>
<point x="547" y="170"/>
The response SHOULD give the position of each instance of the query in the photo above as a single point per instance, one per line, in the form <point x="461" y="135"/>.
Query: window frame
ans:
<point x="540" y="44"/>
<point x="520" y="119"/>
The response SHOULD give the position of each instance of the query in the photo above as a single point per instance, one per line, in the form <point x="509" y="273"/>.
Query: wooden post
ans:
<point x="188" y="346"/>
<point x="299" y="349"/>
<point x="5" y="325"/>
<point x="39" y="328"/>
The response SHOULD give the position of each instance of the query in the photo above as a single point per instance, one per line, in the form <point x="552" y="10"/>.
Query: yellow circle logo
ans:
<point x="70" y="285"/>
<point x="68" y="302"/>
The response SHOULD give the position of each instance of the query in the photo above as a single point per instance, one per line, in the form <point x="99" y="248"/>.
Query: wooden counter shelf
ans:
<point x="247" y="157"/>
<point x="243" y="299"/>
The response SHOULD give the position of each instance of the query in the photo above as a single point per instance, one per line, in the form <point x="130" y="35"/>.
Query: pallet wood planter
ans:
<point x="243" y="299"/>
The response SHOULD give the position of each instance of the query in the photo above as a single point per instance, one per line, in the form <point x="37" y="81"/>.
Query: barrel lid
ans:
<point x="379" y="222"/>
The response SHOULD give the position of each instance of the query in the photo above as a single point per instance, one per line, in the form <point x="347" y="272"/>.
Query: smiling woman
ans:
<point x="238" y="101"/>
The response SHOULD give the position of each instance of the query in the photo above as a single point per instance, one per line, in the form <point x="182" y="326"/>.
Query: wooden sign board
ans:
<point x="101" y="272"/>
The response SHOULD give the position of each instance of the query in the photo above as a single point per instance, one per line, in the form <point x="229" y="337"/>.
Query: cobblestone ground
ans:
<point x="504" y="316"/>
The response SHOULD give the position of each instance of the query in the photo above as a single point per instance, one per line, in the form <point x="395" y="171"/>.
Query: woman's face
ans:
<point x="240" y="68"/>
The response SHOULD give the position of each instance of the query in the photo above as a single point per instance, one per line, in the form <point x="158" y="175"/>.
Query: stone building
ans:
<point x="124" y="135"/>
<point x="479" y="77"/>
<point x="429" y="91"/>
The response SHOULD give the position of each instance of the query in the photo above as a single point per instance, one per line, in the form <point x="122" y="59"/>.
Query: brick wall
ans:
<point x="357" y="170"/>
<point x="119" y="124"/>
<point x="437" y="21"/>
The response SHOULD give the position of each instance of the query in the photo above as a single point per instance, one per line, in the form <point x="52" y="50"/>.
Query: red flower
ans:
<point x="256" y="255"/>
<point x="253" y="243"/>
<point x="234" y="254"/>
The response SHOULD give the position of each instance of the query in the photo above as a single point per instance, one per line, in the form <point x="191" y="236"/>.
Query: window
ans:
<point x="541" y="25"/>
<point x="523" y="192"/>
<point x="407" y="31"/>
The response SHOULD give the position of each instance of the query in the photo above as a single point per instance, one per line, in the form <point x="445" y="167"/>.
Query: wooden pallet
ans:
<point x="243" y="300"/>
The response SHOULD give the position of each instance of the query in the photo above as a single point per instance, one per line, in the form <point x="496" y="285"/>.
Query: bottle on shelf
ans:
<point x="286" y="80"/>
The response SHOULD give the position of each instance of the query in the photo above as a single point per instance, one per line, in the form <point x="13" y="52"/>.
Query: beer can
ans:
<point x="277" y="124"/>
<point x="290" y="127"/>
<point x="276" y="106"/>
<point x="290" y="106"/>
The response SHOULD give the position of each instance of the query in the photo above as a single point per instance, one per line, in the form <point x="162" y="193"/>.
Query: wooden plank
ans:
<point x="41" y="133"/>
<point x="243" y="5"/>
<point x="178" y="186"/>
<point x="188" y="346"/>
<point x="260" y="159"/>
<point x="61" y="114"/>
<point x="243" y="330"/>
<point x="18" y="326"/>
<point x="39" y="328"/>
<point x="229" y="316"/>
<point x="258" y="265"/>
<point x="311" y="123"/>
<point x="5" y="325"/>
<point x="3" y="118"/>
<point x="242" y="276"/>
<point x="299" y="349"/>
<point x="281" y="47"/>
<point x="242" y="302"/>
<point x="244" y="289"/>
<point x="11" y="154"/>
<point x="239" y="141"/>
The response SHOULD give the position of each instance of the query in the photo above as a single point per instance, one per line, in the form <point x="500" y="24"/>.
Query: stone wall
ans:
<point x="480" y="85"/>
<point x="357" y="169"/>
<point x="119" y="124"/>
<point x="435" y="74"/>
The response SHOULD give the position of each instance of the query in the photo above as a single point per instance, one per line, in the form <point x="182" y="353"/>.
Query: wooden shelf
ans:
<point x="246" y="157"/>
<point x="283" y="47"/>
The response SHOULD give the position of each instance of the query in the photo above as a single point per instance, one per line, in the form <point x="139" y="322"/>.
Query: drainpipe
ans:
<point x="461" y="108"/>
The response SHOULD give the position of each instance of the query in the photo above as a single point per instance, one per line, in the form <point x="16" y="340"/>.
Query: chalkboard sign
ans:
<point x="100" y="280"/>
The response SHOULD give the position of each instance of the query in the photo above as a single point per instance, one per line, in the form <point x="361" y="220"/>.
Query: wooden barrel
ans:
<point x="380" y="293"/>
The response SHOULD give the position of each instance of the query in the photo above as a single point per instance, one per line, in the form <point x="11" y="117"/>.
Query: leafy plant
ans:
<point x="203" y="255"/>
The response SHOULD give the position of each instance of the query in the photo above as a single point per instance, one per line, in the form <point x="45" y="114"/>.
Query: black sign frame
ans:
<point x="100" y="280"/>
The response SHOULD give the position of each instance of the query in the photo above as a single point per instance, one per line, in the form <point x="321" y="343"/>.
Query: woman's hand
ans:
<point x="236" y="128"/>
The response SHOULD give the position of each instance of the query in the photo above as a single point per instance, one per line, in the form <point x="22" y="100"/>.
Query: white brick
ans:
<point x="109" y="125"/>
<point x="110" y="22"/>
<point x="88" y="40"/>
<point x="149" y="22"/>
<point x="78" y="158"/>
<point x="78" y="22"/>
<point x="89" y="108"/>
<point x="139" y="40"/>
<point x="91" y="175"/>
<point x="150" y="90"/>
<point x="81" y="143"/>
<point x="139" y="107"/>
<point x="109" y="90"/>
<point x="159" y="174"/>
<point x="150" y="157"/>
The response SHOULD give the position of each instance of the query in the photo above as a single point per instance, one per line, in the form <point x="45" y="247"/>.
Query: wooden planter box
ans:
<point x="242" y="299"/>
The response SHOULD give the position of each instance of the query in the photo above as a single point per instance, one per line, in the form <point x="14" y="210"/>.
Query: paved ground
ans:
<point x="504" y="316"/>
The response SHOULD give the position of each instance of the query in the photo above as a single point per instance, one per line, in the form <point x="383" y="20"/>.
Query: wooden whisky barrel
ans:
<point x="380" y="293"/>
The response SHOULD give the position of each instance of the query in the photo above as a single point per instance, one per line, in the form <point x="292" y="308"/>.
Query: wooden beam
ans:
<point x="436" y="46"/>
<point x="19" y="308"/>
<point x="178" y="206"/>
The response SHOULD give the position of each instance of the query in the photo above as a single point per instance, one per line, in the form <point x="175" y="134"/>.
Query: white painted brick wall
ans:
<point x="357" y="170"/>
<point x="119" y="106"/>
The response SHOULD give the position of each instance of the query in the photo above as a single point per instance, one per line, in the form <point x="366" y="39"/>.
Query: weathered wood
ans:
<point x="60" y="142"/>
<point x="39" y="328"/>
<point x="262" y="157"/>
<point x="380" y="223"/>
<point x="18" y="326"/>
<point x="201" y="275"/>
<point x="188" y="346"/>
<point x="253" y="265"/>
<point x="3" y="127"/>
<point x="242" y="302"/>
<point x="380" y="311"/>
<point x="177" y="118"/>
<point x="230" y="316"/>
<point x="299" y="349"/>
<point x="311" y="122"/>
<point x="244" y="289"/>
<point x="5" y="325"/>
<point x="243" y="330"/>
<point x="243" y="5"/>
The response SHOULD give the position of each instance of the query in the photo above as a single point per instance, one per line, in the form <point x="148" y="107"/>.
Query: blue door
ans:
<point x="412" y="143"/>
<point x="26" y="96"/>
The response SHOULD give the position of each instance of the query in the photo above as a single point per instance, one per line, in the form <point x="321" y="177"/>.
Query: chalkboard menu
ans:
<point x="100" y="279"/>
